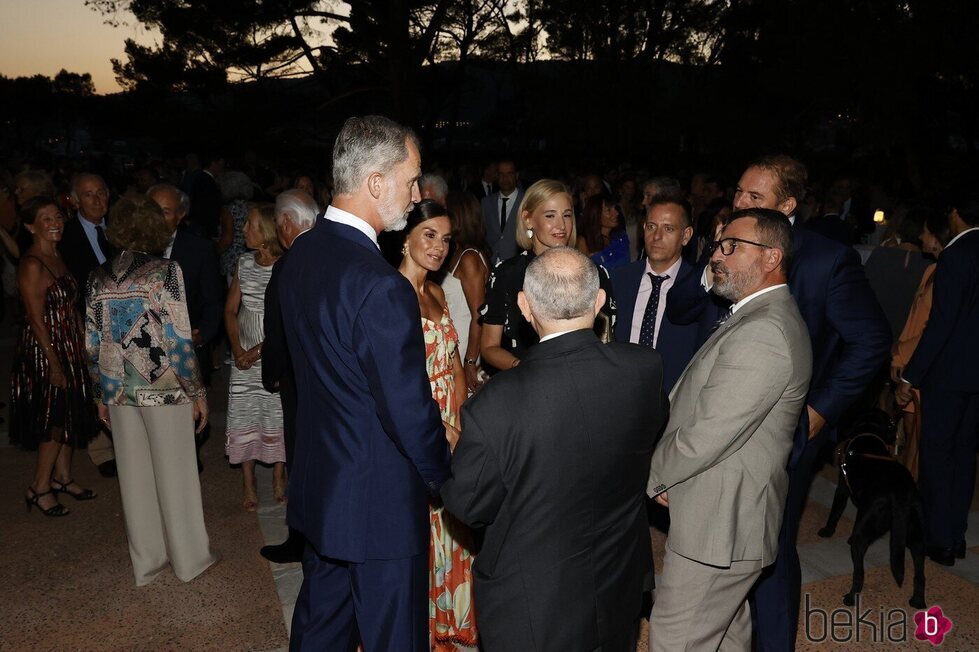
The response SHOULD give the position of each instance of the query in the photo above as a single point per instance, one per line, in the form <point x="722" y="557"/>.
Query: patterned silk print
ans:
<point x="138" y="333"/>
<point x="450" y="604"/>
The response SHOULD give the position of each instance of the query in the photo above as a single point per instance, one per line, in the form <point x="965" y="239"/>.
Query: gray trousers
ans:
<point x="700" y="607"/>
<point x="161" y="491"/>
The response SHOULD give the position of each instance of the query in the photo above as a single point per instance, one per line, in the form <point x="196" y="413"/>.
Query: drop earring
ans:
<point x="530" y="233"/>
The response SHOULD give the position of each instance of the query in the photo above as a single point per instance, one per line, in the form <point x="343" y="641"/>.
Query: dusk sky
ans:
<point x="44" y="36"/>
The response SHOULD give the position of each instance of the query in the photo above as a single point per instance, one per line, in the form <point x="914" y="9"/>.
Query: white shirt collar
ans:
<point x="792" y="220"/>
<point x="673" y="270"/>
<point x="740" y="304"/>
<point x="558" y="334"/>
<point x="341" y="216"/>
<point x="952" y="241"/>
<point x="508" y="197"/>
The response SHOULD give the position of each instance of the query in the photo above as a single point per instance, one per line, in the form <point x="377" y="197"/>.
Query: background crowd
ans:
<point x="196" y="244"/>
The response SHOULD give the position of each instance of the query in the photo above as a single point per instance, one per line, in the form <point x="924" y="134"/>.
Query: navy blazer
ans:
<point x="947" y="356"/>
<point x="79" y="257"/>
<point x="370" y="445"/>
<point x="676" y="343"/>
<point x="850" y="335"/>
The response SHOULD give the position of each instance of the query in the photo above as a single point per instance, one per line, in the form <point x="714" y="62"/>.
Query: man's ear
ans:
<point x="599" y="301"/>
<point x="788" y="207"/>
<point x="774" y="260"/>
<point x="375" y="184"/>
<point x="687" y="234"/>
<point x="524" y="306"/>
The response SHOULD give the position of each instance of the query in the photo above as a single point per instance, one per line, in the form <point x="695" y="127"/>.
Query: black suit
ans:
<point x="198" y="261"/>
<point x="553" y="461"/>
<point x="277" y="372"/>
<point x="944" y="366"/>
<point x="205" y="204"/>
<point x="79" y="257"/>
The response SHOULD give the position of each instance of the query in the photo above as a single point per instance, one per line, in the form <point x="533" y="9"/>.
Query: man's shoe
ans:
<point x="108" y="469"/>
<point x="960" y="550"/>
<point x="942" y="556"/>
<point x="287" y="552"/>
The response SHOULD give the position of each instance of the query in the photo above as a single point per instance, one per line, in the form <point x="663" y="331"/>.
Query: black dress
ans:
<point x="500" y="307"/>
<point x="39" y="411"/>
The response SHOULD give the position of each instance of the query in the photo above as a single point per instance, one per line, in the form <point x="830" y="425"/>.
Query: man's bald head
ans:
<point x="561" y="284"/>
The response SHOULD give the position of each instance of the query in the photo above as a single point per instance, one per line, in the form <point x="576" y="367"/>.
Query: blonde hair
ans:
<point x="266" y="226"/>
<point x="536" y="195"/>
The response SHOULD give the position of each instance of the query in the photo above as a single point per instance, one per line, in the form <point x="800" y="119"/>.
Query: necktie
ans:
<point x="723" y="318"/>
<point x="107" y="249"/>
<point x="503" y="214"/>
<point x="648" y="329"/>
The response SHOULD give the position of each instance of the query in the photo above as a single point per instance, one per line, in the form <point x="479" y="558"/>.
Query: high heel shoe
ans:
<point x="251" y="499"/>
<point x="84" y="494"/>
<point x="55" y="510"/>
<point x="279" y="493"/>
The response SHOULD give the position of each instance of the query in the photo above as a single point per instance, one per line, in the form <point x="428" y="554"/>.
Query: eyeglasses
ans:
<point x="728" y="245"/>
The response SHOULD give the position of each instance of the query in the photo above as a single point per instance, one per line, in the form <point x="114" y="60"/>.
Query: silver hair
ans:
<point x="366" y="145"/>
<point x="438" y="185"/>
<point x="182" y="197"/>
<point x="561" y="283"/>
<point x="78" y="178"/>
<point x="236" y="186"/>
<point x="298" y="206"/>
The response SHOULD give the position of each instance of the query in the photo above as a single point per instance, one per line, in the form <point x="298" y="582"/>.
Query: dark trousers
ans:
<point x="384" y="603"/>
<point x="775" y="599"/>
<point x="949" y="436"/>
<point x="624" y="642"/>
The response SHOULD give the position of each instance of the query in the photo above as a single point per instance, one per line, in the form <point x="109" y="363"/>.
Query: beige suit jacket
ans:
<point x="733" y="414"/>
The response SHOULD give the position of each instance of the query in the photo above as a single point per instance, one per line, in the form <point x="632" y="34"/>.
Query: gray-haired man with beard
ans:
<point x="720" y="467"/>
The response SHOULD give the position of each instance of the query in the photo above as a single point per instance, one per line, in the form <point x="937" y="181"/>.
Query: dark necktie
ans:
<point x="503" y="214"/>
<point x="648" y="329"/>
<point x="723" y="318"/>
<point x="104" y="245"/>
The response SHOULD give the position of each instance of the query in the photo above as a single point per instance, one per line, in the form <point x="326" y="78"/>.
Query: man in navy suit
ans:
<point x="370" y="443"/>
<point x="851" y="341"/>
<point x="500" y="214"/>
<point x="642" y="289"/>
<point x="944" y="367"/>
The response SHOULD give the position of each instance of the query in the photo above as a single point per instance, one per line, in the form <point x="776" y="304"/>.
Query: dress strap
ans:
<point x="43" y="264"/>
<point x="464" y="252"/>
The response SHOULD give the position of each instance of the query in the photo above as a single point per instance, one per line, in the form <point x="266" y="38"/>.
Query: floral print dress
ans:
<point x="450" y="604"/>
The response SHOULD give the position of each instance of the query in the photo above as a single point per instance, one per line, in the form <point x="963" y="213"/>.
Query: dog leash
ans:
<point x="844" y="453"/>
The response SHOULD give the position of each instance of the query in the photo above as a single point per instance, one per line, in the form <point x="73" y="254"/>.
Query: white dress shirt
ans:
<point x="643" y="296"/>
<point x="510" y="208"/>
<point x="553" y="335"/>
<point x="341" y="216"/>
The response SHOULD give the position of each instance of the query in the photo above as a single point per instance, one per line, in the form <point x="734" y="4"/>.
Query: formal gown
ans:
<point x="39" y="411"/>
<point x="255" y="430"/>
<point x="450" y="604"/>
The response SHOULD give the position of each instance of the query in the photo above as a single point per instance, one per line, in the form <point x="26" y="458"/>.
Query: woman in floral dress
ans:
<point x="451" y="619"/>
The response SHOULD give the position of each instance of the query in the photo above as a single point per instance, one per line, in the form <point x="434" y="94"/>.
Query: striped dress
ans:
<point x="254" y="415"/>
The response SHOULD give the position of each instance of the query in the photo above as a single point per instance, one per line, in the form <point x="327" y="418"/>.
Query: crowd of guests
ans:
<point x="421" y="363"/>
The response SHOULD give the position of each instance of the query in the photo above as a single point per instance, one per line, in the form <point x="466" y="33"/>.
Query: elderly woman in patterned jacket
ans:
<point x="148" y="389"/>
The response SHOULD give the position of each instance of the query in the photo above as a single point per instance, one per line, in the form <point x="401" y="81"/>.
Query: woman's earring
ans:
<point x="404" y="249"/>
<point x="530" y="233"/>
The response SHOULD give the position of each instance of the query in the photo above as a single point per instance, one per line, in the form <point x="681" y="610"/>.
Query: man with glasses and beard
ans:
<point x="720" y="466"/>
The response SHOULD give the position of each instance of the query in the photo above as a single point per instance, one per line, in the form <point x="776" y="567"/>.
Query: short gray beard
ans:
<point x="393" y="217"/>
<point x="736" y="286"/>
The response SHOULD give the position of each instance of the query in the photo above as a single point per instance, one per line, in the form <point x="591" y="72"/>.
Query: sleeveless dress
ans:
<point x="254" y="430"/>
<point x="450" y="604"/>
<point x="455" y="300"/>
<point x="39" y="411"/>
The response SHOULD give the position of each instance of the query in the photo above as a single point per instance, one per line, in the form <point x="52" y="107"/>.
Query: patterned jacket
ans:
<point x="138" y="333"/>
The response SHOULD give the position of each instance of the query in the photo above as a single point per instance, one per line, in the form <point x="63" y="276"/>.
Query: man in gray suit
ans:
<point x="720" y="466"/>
<point x="500" y="213"/>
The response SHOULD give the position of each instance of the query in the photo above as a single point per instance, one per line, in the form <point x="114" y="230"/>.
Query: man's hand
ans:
<point x="451" y="435"/>
<point x="195" y="335"/>
<point x="896" y="373"/>
<point x="816" y="422"/>
<point x="104" y="415"/>
<point x="662" y="499"/>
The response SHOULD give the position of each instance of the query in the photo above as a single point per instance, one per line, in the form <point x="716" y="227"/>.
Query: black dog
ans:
<point x="886" y="498"/>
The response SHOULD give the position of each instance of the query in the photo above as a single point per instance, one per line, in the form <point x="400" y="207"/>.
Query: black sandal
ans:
<point x="85" y="494"/>
<point x="54" y="510"/>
